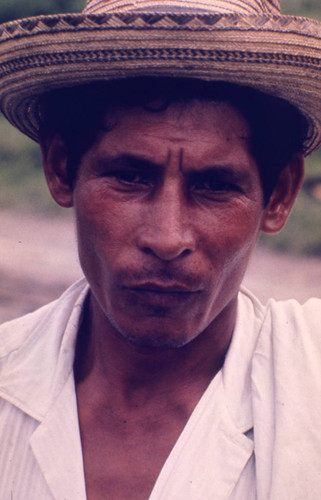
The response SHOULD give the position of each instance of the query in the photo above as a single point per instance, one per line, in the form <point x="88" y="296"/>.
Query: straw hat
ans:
<point x="247" y="42"/>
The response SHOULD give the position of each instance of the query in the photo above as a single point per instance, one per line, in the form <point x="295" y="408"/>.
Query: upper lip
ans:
<point x="162" y="288"/>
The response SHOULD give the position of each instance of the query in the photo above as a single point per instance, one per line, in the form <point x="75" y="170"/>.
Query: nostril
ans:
<point x="186" y="252"/>
<point x="166" y="248"/>
<point x="147" y="250"/>
<point x="166" y="255"/>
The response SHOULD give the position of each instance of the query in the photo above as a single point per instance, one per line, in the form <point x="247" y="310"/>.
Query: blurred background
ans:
<point x="37" y="244"/>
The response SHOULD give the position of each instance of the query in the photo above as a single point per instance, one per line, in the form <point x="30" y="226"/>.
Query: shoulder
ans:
<point x="284" y="317"/>
<point x="16" y="333"/>
<point x="289" y="342"/>
<point x="297" y="322"/>
<point x="37" y="352"/>
<point x="286" y="398"/>
<point x="286" y="330"/>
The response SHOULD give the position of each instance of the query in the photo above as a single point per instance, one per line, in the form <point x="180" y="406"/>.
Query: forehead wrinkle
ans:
<point x="169" y="155"/>
<point x="180" y="161"/>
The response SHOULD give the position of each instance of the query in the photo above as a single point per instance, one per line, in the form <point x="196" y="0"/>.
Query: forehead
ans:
<point x="190" y="113"/>
<point x="198" y="126"/>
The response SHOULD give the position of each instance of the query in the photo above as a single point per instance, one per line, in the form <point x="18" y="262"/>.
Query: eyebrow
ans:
<point x="226" y="173"/>
<point x="128" y="160"/>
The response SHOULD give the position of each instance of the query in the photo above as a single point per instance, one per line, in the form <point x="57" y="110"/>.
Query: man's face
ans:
<point x="169" y="206"/>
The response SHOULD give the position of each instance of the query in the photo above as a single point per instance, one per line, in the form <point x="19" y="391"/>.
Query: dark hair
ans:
<point x="278" y="130"/>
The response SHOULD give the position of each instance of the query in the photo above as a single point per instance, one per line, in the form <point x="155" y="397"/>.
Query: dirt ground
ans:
<point x="38" y="260"/>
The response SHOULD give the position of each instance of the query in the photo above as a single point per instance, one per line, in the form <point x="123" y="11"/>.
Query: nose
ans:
<point x="166" y="232"/>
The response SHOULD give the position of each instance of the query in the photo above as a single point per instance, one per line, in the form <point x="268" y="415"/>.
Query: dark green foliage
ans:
<point x="15" y="9"/>
<point x="22" y="182"/>
<point x="310" y="8"/>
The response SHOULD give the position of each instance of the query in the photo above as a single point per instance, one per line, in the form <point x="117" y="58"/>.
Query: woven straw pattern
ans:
<point x="136" y="21"/>
<point x="157" y="54"/>
<point x="219" y="6"/>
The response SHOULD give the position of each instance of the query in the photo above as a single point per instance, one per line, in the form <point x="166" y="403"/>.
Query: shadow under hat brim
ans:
<point x="279" y="55"/>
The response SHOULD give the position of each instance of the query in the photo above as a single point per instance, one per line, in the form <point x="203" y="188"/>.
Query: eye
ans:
<point x="130" y="177"/>
<point x="213" y="185"/>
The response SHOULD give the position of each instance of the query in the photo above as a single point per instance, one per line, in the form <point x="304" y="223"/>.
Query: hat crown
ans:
<point x="220" y="6"/>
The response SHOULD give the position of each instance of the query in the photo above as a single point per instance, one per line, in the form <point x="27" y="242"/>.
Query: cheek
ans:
<point x="228" y="241"/>
<point x="104" y="229"/>
<point x="230" y="228"/>
<point x="228" y="251"/>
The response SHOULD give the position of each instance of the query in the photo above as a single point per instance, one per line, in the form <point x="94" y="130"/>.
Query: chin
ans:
<point x="152" y="339"/>
<point x="163" y="342"/>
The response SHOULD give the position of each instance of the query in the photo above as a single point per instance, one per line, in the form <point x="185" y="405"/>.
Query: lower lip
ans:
<point x="161" y="299"/>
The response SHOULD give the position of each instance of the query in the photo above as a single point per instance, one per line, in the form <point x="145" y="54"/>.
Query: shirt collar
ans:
<point x="37" y="352"/>
<point x="237" y="369"/>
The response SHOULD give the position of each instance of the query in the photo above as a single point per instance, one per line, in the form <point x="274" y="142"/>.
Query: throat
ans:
<point x="126" y="439"/>
<point x="125" y="451"/>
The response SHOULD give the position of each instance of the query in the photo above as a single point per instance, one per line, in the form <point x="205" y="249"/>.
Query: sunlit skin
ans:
<point x="169" y="206"/>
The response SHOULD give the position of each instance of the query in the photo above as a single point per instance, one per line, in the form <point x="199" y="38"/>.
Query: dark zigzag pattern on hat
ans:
<point x="187" y="54"/>
<point x="197" y="22"/>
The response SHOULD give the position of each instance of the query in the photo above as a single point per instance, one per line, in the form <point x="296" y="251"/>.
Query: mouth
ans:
<point x="160" y="295"/>
<point x="162" y="288"/>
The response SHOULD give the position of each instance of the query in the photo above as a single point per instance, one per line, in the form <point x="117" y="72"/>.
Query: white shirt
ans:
<point x="255" y="433"/>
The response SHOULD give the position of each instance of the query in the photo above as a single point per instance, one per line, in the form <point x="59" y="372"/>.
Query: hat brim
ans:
<point x="279" y="55"/>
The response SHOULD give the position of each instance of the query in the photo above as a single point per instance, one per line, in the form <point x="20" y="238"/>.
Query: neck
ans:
<point x="116" y="368"/>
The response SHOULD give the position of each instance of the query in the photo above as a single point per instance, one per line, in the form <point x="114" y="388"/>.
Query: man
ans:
<point x="177" y="133"/>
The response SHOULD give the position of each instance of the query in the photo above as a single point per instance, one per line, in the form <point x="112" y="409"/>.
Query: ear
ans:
<point x="54" y="162"/>
<point x="283" y="196"/>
